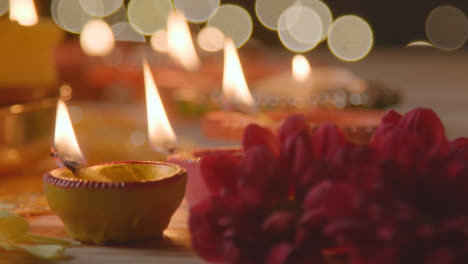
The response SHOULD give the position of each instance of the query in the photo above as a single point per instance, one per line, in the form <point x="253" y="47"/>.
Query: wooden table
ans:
<point x="427" y="77"/>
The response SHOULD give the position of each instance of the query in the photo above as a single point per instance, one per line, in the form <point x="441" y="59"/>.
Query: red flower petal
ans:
<point x="205" y="237"/>
<point x="389" y="121"/>
<point x="220" y="173"/>
<point x="426" y="124"/>
<point x="291" y="127"/>
<point x="280" y="224"/>
<point x="327" y="140"/>
<point x="255" y="135"/>
<point x="278" y="254"/>
<point x="340" y="201"/>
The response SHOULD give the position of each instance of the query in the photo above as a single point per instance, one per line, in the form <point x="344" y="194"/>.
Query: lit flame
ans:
<point x="97" y="38"/>
<point x="24" y="12"/>
<point x="64" y="139"/>
<point x="180" y="42"/>
<point x="235" y="90"/>
<point x="160" y="133"/>
<point x="300" y="68"/>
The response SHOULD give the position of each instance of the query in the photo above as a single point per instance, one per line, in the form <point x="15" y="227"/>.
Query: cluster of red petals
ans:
<point x="314" y="197"/>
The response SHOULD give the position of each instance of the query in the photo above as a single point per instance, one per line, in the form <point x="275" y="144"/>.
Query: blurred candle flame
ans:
<point x="24" y="12"/>
<point x="97" y="38"/>
<point x="180" y="43"/>
<point x="236" y="93"/>
<point x="64" y="138"/>
<point x="300" y="68"/>
<point x="160" y="133"/>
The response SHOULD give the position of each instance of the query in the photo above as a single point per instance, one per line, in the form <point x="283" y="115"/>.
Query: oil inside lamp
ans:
<point x="236" y="94"/>
<point x="66" y="150"/>
<point x="160" y="133"/>
<point x="24" y="12"/>
<point x="180" y="43"/>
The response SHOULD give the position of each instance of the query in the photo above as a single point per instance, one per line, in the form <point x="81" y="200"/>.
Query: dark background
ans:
<point x="395" y="22"/>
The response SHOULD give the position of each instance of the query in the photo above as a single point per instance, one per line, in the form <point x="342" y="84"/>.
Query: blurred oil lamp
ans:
<point x="359" y="124"/>
<point x="111" y="202"/>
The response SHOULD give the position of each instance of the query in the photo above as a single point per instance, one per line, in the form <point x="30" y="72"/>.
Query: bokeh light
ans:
<point x="4" y="6"/>
<point x="419" y="43"/>
<point x="269" y="11"/>
<point x="23" y="12"/>
<point x="159" y="41"/>
<point x="323" y="11"/>
<point x="149" y="16"/>
<point x="210" y="39"/>
<point x="197" y="11"/>
<point x="234" y="21"/>
<point x="304" y="24"/>
<point x="123" y="31"/>
<point x="350" y="38"/>
<point x="291" y="21"/>
<point x="117" y="17"/>
<point x="69" y="15"/>
<point x="100" y="8"/>
<point x="97" y="38"/>
<point x="447" y="27"/>
<point x="138" y="138"/>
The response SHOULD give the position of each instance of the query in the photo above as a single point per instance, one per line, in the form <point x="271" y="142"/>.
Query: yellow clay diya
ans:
<point x="116" y="202"/>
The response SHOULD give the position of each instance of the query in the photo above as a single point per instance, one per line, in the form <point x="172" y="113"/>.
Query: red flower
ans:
<point x="314" y="197"/>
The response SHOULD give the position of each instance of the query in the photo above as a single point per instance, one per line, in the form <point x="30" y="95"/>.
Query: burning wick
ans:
<point x="66" y="151"/>
<point x="160" y="132"/>
<point x="236" y="94"/>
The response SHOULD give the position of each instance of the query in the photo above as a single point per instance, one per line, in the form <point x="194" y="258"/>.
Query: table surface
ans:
<point x="427" y="78"/>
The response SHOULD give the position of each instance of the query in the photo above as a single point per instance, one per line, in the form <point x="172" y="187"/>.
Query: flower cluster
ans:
<point x="314" y="197"/>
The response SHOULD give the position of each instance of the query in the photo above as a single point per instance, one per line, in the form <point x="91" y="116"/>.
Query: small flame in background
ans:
<point x="64" y="138"/>
<point x="236" y="93"/>
<point x="160" y="133"/>
<point x="24" y="12"/>
<point x="180" y="43"/>
<point x="97" y="38"/>
<point x="300" y="68"/>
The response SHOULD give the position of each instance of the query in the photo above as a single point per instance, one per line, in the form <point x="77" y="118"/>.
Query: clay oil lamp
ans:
<point x="358" y="123"/>
<point x="116" y="201"/>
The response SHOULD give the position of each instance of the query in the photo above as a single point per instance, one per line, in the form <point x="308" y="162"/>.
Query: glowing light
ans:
<point x="159" y="41"/>
<point x="210" y="39"/>
<point x="324" y="13"/>
<point x="419" y="43"/>
<point x="66" y="92"/>
<point x="269" y="11"/>
<point x="299" y="28"/>
<point x="234" y="21"/>
<point x="149" y="16"/>
<point x="4" y="6"/>
<point x="304" y="24"/>
<point x="100" y="8"/>
<point x="350" y="38"/>
<point x="69" y="15"/>
<point x="97" y="38"/>
<point x="447" y="27"/>
<point x="160" y="133"/>
<point x="123" y="31"/>
<point x="23" y="12"/>
<point x="197" y="11"/>
<point x="138" y="138"/>
<point x="235" y="90"/>
<point x="300" y="68"/>
<point x="64" y="138"/>
<point x="180" y="42"/>
<point x="116" y="17"/>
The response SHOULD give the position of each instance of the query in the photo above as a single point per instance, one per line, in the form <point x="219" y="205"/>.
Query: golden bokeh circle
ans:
<point x="149" y="16"/>
<point x="123" y="31"/>
<point x="350" y="38"/>
<point x="210" y="39"/>
<point x="69" y="15"/>
<point x="100" y="8"/>
<point x="447" y="27"/>
<point x="97" y="38"/>
<point x="158" y="41"/>
<point x="323" y="11"/>
<point x="197" y="11"/>
<point x="299" y="28"/>
<point x="269" y="11"/>
<point x="234" y="21"/>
